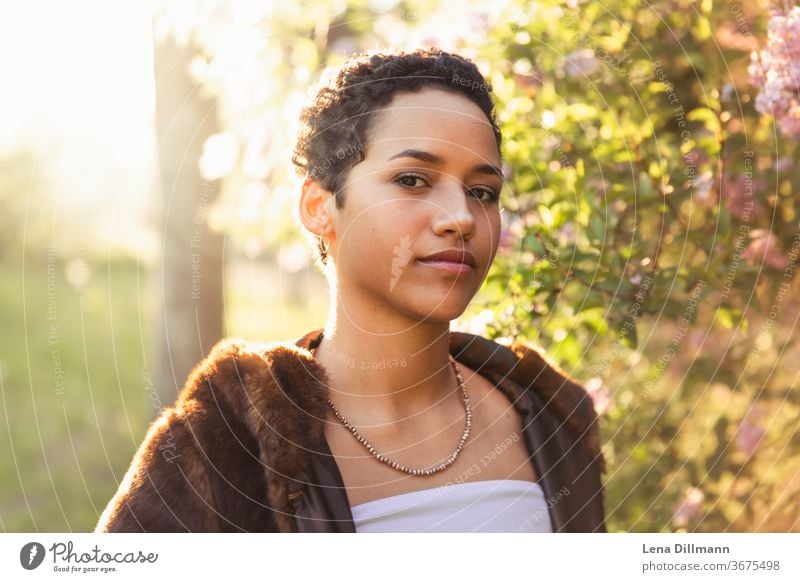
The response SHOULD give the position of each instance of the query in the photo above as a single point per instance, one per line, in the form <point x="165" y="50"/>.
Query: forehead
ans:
<point x="435" y="118"/>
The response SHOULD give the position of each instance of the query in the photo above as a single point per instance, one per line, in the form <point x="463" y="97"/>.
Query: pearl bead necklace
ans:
<point x="426" y="470"/>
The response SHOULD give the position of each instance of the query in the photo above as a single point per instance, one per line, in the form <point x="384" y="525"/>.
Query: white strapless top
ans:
<point x="507" y="505"/>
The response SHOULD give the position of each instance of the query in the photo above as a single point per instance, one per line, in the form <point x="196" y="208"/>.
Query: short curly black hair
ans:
<point x="336" y="126"/>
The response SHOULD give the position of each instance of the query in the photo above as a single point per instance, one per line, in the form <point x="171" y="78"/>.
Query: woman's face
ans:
<point x="429" y="183"/>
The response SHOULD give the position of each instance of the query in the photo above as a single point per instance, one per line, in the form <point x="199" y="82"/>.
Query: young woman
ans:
<point x="384" y="420"/>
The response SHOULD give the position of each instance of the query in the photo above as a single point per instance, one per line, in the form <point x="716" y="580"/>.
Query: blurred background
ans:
<point x="650" y="228"/>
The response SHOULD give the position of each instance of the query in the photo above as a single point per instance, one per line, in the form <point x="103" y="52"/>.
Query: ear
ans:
<point x="315" y="208"/>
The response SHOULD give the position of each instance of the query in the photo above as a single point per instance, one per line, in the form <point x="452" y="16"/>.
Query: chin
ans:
<point x="444" y="308"/>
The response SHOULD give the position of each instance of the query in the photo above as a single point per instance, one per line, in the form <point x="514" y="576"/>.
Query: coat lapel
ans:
<point x="559" y="423"/>
<point x="318" y="494"/>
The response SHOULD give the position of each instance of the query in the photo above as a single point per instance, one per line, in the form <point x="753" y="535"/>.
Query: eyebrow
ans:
<point x="437" y="160"/>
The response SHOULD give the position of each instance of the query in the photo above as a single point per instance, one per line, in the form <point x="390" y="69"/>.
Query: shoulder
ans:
<point x="245" y="374"/>
<point x="275" y="388"/>
<point x="528" y="365"/>
<point x="565" y="394"/>
<point x="239" y="362"/>
<point x="238" y="421"/>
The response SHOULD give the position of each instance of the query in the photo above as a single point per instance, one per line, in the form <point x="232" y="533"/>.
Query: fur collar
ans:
<point x="273" y="397"/>
<point x="268" y="384"/>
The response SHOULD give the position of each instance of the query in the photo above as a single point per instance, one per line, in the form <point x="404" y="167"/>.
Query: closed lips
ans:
<point x="454" y="256"/>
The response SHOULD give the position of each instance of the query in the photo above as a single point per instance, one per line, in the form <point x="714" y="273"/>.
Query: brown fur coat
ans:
<point x="233" y="452"/>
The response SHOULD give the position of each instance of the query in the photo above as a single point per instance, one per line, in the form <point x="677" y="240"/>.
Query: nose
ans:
<point x="453" y="211"/>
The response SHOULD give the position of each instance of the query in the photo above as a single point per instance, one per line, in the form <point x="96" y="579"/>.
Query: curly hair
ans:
<point x="336" y="126"/>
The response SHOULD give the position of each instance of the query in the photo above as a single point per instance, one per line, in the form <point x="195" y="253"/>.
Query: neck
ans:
<point x="385" y="368"/>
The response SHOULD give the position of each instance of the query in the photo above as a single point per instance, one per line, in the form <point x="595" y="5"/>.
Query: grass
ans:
<point x="73" y="408"/>
<point x="74" y="404"/>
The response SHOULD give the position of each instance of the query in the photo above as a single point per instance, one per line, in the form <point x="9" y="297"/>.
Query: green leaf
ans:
<point x="581" y="111"/>
<point x="597" y="227"/>
<point x="701" y="29"/>
<point x="545" y="214"/>
<point x="727" y="315"/>
<point x="594" y="319"/>
<point x="534" y="244"/>
<point x="626" y="333"/>
<point x="707" y="116"/>
<point x="592" y="300"/>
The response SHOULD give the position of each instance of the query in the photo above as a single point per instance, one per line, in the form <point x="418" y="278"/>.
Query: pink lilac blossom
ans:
<point x="510" y="235"/>
<point x="776" y="70"/>
<point x="567" y="234"/>
<point x="739" y="195"/>
<point x="763" y="246"/>
<point x="689" y="507"/>
<point x="784" y="164"/>
<point x="750" y="433"/>
<point x="581" y="62"/>
<point x="702" y="188"/>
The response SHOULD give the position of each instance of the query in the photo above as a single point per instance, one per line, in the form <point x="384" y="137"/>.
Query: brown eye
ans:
<point x="491" y="195"/>
<point x="407" y="180"/>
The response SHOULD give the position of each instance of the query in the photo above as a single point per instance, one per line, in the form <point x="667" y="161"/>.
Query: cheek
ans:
<point x="497" y="226"/>
<point x="491" y="228"/>
<point x="374" y="237"/>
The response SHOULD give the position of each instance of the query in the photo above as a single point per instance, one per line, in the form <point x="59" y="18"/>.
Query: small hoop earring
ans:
<point x="323" y="250"/>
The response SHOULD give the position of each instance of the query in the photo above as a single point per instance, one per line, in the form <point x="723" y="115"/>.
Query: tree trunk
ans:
<point x="188" y="282"/>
